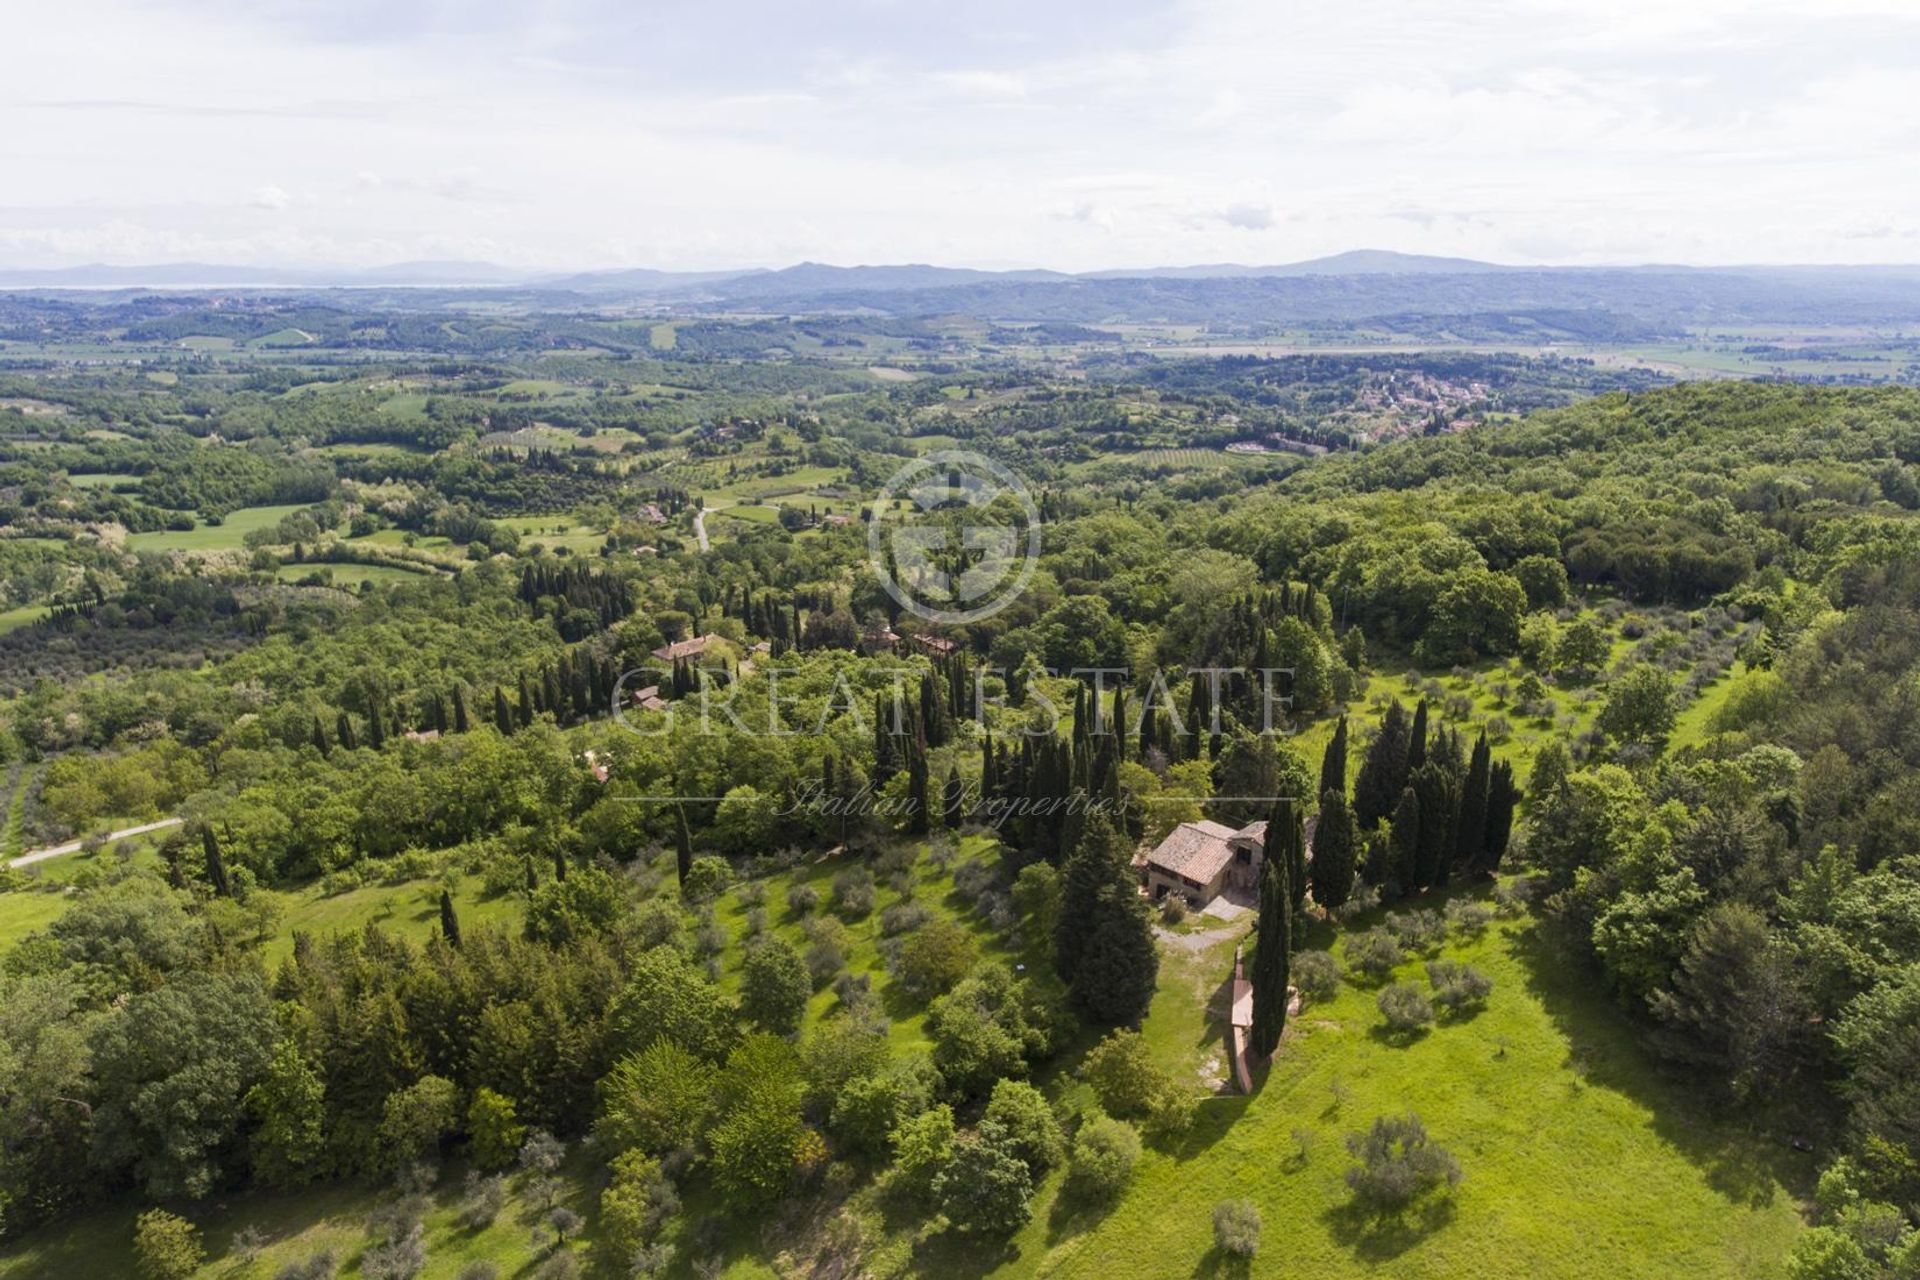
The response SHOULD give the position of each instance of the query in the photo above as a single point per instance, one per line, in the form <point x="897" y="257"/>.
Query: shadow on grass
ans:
<point x="1074" y="1212"/>
<point x="955" y="1253"/>
<point x="1742" y="1163"/>
<point x="1217" y="1264"/>
<point x="1376" y="1237"/>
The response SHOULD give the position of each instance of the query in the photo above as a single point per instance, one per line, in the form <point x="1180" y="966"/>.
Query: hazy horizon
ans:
<point x="581" y="135"/>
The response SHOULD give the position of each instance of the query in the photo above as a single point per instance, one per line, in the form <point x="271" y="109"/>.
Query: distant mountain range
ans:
<point x="804" y="279"/>
<point x="1348" y="290"/>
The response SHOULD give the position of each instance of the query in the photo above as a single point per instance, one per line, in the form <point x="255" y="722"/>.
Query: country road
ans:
<point x="73" y="846"/>
<point x="700" y="526"/>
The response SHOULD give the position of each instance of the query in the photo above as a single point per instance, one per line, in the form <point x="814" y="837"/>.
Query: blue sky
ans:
<point x="1069" y="134"/>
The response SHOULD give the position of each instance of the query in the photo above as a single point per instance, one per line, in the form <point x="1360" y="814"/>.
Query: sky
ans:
<point x="1071" y="134"/>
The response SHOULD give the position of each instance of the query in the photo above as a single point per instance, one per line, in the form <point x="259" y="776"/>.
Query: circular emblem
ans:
<point x="954" y="537"/>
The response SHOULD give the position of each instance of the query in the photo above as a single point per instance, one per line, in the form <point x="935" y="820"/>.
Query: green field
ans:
<point x="229" y="535"/>
<point x="1580" y="1160"/>
<point x="101" y="479"/>
<point x="348" y="575"/>
<point x="21" y="616"/>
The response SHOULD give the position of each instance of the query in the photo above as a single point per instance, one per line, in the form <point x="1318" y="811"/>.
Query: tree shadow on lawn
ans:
<point x="1074" y="1212"/>
<point x="1217" y="1264"/>
<point x="1606" y="1050"/>
<point x="1381" y="1237"/>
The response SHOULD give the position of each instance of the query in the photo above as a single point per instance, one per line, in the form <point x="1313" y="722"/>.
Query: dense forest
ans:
<point x="854" y="975"/>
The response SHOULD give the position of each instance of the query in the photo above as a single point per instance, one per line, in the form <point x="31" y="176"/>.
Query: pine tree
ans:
<point x="1383" y="773"/>
<point x="449" y="922"/>
<point x="1470" y="836"/>
<point x="216" y="865"/>
<point x="1405" y="845"/>
<point x="1271" y="946"/>
<point x="1333" y="852"/>
<point x="682" y="843"/>
<point x="1333" y="762"/>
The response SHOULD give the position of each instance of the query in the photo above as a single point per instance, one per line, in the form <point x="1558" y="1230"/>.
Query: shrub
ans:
<point x="707" y="878"/>
<point x="166" y="1246"/>
<point x="774" y="987"/>
<point x="1469" y="919"/>
<point x="1104" y="1153"/>
<point x="483" y="1199"/>
<point x="1417" y="930"/>
<point x="1397" y="1164"/>
<point x="934" y="958"/>
<point x="827" y="950"/>
<point x="1236" y="1228"/>
<point x="1405" y="1008"/>
<point x="1317" y="974"/>
<point x="853" y="892"/>
<point x="1032" y="1130"/>
<point x="971" y="879"/>
<point x="1459" y="989"/>
<point x="1373" y="955"/>
<point x="321" y="1266"/>
<point x="1123" y="1075"/>
<point x="802" y="899"/>
<point x="1174" y="910"/>
<point x="903" y="917"/>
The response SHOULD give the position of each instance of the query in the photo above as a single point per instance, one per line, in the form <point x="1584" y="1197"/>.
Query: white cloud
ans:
<point x="1075" y="135"/>
<point x="1248" y="217"/>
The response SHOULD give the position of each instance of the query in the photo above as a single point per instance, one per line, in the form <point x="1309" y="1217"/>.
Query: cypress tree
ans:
<point x="919" y="816"/>
<point x="1333" y="762"/>
<point x="526" y="702"/>
<point x="1383" y="773"/>
<point x="216" y="866"/>
<point x="320" y="742"/>
<point x="559" y="866"/>
<point x="343" y="730"/>
<point x="1417" y="738"/>
<point x="1438" y="798"/>
<point x="682" y="843"/>
<point x="1271" y="946"/>
<point x="1470" y="839"/>
<point x="1333" y="852"/>
<point x="1502" y="795"/>
<point x="1096" y="861"/>
<point x="449" y="922"/>
<point x="460" y="721"/>
<point x="502" y="713"/>
<point x="376" y="726"/>
<point x="954" y="800"/>
<point x="533" y="877"/>
<point x="1115" y="964"/>
<point x="1405" y="845"/>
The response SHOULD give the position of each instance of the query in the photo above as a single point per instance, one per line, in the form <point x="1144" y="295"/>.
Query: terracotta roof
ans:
<point x="685" y="648"/>
<point x="1195" y="851"/>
